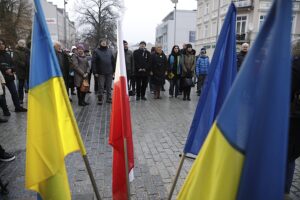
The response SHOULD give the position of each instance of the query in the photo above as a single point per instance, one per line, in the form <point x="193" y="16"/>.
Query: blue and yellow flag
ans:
<point x="244" y="155"/>
<point x="52" y="131"/>
<point x="220" y="77"/>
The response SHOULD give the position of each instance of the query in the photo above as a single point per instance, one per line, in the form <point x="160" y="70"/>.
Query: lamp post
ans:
<point x="65" y="24"/>
<point x="175" y="6"/>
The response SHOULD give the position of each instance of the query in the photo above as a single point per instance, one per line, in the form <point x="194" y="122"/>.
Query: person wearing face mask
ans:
<point x="103" y="64"/>
<point x="21" y="59"/>
<point x="81" y="68"/>
<point x="141" y="58"/>
<point x="7" y="68"/>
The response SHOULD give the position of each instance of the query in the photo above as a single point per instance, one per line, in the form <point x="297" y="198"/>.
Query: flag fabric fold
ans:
<point x="52" y="131"/>
<point x="244" y="155"/>
<point x="120" y="126"/>
<point x="220" y="77"/>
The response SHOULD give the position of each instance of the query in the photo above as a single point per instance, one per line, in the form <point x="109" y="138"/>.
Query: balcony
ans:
<point x="243" y="4"/>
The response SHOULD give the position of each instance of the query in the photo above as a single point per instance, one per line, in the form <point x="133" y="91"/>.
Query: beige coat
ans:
<point x="2" y="81"/>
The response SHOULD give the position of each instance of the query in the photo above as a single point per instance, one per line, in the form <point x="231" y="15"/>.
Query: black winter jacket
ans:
<point x="141" y="59"/>
<point x="6" y="62"/>
<point x="103" y="61"/>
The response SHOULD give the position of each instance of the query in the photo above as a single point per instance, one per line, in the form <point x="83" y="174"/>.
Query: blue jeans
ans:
<point x="13" y="92"/>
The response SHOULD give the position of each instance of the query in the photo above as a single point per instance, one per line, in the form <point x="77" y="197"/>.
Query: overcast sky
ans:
<point x="141" y="16"/>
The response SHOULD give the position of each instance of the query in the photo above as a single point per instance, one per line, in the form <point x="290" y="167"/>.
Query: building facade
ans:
<point x="185" y="32"/>
<point x="250" y="17"/>
<point x="56" y="23"/>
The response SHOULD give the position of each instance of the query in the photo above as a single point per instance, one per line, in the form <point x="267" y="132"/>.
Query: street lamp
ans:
<point x="65" y="24"/>
<point x="175" y="2"/>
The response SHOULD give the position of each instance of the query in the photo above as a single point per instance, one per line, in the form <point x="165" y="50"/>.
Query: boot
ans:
<point x="100" y="100"/>
<point x="79" y="95"/>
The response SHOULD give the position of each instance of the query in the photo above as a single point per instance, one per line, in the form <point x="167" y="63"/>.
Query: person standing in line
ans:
<point x="71" y="71"/>
<point x="21" y="59"/>
<point x="89" y="59"/>
<point x="202" y="66"/>
<point x="141" y="59"/>
<point x="174" y="63"/>
<point x="188" y="67"/>
<point x="63" y="62"/>
<point x="7" y="69"/>
<point x="158" y="69"/>
<point x="103" y="64"/>
<point x="81" y="69"/>
<point x="129" y="68"/>
<point x="241" y="56"/>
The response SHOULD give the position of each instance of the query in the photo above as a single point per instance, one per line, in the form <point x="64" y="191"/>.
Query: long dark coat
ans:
<point x="158" y="66"/>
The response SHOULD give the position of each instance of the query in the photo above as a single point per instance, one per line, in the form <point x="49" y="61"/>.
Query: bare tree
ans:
<point x="97" y="19"/>
<point x="15" y="20"/>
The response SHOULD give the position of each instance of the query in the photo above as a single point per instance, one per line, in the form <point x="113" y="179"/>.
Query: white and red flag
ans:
<point x="120" y="127"/>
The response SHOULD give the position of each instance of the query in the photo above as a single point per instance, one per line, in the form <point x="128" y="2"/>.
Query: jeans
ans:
<point x="21" y="86"/>
<point x="174" y="84"/>
<point x="13" y="92"/>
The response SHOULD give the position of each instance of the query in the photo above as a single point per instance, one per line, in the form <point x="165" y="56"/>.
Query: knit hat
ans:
<point x="80" y="46"/>
<point x="143" y="42"/>
<point x="189" y="46"/>
<point x="73" y="47"/>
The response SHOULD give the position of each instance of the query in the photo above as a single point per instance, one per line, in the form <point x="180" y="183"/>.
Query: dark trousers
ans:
<point x="104" y="80"/>
<point x="21" y="86"/>
<point x="186" y="92"/>
<point x="81" y="96"/>
<point x="174" y="85"/>
<point x="131" y="84"/>
<point x="13" y="92"/>
<point x="289" y="176"/>
<point x="200" y="82"/>
<point x="141" y="85"/>
<point x="3" y="104"/>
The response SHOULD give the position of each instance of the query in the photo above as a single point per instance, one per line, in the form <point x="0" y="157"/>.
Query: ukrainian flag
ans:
<point x="244" y="155"/>
<point x="52" y="131"/>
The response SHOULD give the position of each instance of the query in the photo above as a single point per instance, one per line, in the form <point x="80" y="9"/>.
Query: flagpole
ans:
<point x="176" y="176"/>
<point x="126" y="168"/>
<point x="88" y="167"/>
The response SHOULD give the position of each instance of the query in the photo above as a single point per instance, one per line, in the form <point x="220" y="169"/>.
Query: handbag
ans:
<point x="188" y="82"/>
<point x="85" y="86"/>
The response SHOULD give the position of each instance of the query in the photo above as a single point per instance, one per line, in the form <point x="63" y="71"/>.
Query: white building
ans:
<point x="250" y="17"/>
<point x="55" y="21"/>
<point x="185" y="29"/>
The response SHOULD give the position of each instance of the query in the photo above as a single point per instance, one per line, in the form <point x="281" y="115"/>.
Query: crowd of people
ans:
<point x="181" y="68"/>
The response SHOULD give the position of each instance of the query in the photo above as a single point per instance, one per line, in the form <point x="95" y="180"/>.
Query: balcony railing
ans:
<point x="243" y="3"/>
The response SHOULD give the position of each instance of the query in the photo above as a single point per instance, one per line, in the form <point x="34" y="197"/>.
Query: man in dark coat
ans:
<point x="21" y="59"/>
<point x="64" y="63"/>
<point x="294" y="129"/>
<point x="241" y="56"/>
<point x="141" y="58"/>
<point x="7" y="69"/>
<point x="103" y="64"/>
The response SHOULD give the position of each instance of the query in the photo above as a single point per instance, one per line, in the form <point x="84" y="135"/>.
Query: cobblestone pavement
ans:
<point x="159" y="130"/>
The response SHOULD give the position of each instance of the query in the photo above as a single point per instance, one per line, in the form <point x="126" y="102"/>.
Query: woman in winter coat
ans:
<point x="158" y="70"/>
<point x="81" y="68"/>
<point x="188" y="68"/>
<point x="174" y="70"/>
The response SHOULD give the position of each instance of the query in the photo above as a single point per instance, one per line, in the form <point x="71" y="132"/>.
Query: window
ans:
<point x="192" y="36"/>
<point x="261" y="20"/>
<point x="213" y="28"/>
<point x="206" y="8"/>
<point x="241" y="24"/>
<point x="205" y="32"/>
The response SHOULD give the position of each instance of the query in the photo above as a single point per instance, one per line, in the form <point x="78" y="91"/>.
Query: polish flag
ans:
<point x="120" y="127"/>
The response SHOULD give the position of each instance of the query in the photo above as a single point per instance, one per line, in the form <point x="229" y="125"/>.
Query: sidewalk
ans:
<point x="160" y="128"/>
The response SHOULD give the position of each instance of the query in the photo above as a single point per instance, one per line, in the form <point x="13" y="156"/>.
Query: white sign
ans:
<point x="51" y="20"/>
